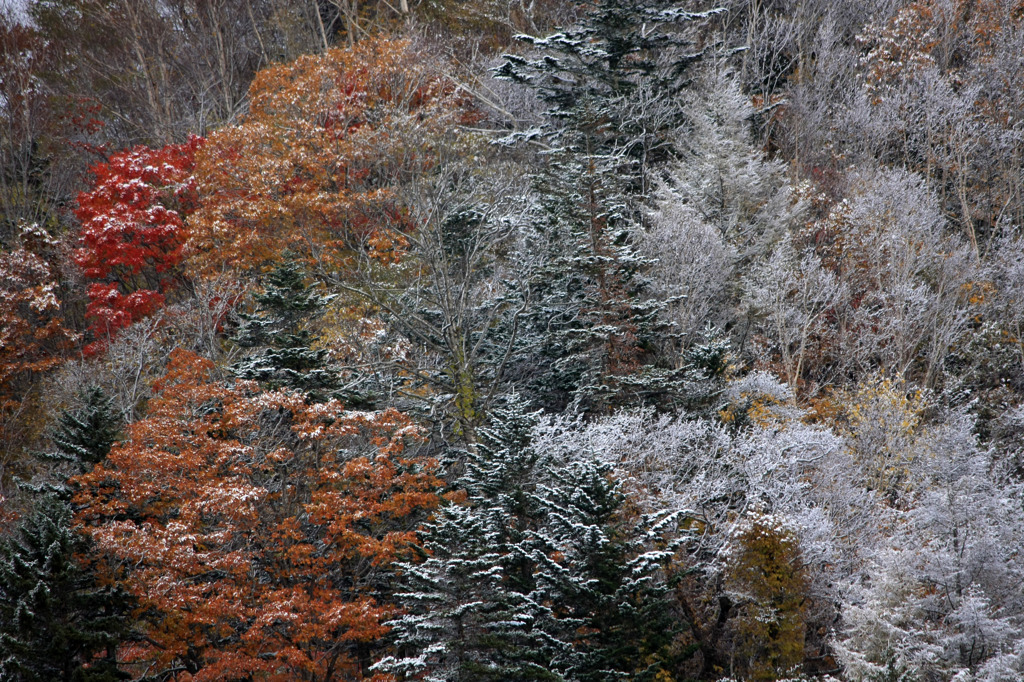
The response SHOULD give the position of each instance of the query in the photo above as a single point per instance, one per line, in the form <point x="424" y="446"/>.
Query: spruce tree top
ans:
<point x="284" y="356"/>
<point x="621" y="44"/>
<point x="285" y="303"/>
<point x="85" y="436"/>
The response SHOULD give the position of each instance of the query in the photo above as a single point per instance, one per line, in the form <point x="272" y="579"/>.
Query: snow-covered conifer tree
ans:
<point x="56" y="617"/>
<point x="85" y="436"/>
<point x="284" y="356"/>
<point x="538" y="574"/>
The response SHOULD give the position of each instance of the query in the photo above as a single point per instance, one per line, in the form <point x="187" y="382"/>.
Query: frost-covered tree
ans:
<point x="720" y="206"/>
<point x="693" y="265"/>
<point x="791" y="294"/>
<point x="987" y="368"/>
<point x="591" y="333"/>
<point x="934" y="81"/>
<point x="723" y="174"/>
<point x="256" y="529"/>
<point x="60" y="620"/>
<point x="713" y="474"/>
<point x="886" y="435"/>
<point x="940" y="598"/>
<point x="905" y="277"/>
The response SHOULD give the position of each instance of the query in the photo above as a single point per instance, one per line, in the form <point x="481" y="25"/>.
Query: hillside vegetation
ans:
<point x="479" y="340"/>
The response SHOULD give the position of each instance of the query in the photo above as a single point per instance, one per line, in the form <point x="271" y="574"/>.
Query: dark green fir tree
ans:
<point x="604" y="570"/>
<point x="85" y="436"/>
<point x="535" y="576"/>
<point x="57" y="622"/>
<point x="277" y="333"/>
<point x="593" y="337"/>
<point x="470" y="612"/>
<point x="612" y="83"/>
<point x="81" y="439"/>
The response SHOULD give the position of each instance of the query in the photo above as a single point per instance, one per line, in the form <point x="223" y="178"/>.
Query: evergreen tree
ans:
<point x="611" y="84"/>
<point x="86" y="435"/>
<point x="56" y="616"/>
<point x="535" y="576"/>
<point x="284" y="357"/>
<point x="57" y="622"/>
<point x="614" y="81"/>
<point x="471" y="612"/>
<point x="590" y="339"/>
<point x="604" y="573"/>
<point x="82" y="438"/>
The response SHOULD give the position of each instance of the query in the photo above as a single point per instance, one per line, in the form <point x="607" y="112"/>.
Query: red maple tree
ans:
<point x="132" y="233"/>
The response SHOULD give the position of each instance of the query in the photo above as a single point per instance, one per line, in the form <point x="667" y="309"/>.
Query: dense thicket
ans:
<point x="443" y="340"/>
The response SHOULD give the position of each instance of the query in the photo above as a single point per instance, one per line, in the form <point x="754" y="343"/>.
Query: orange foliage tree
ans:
<point x="768" y="573"/>
<point x="314" y="166"/>
<point x="33" y="340"/>
<point x="256" y="530"/>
